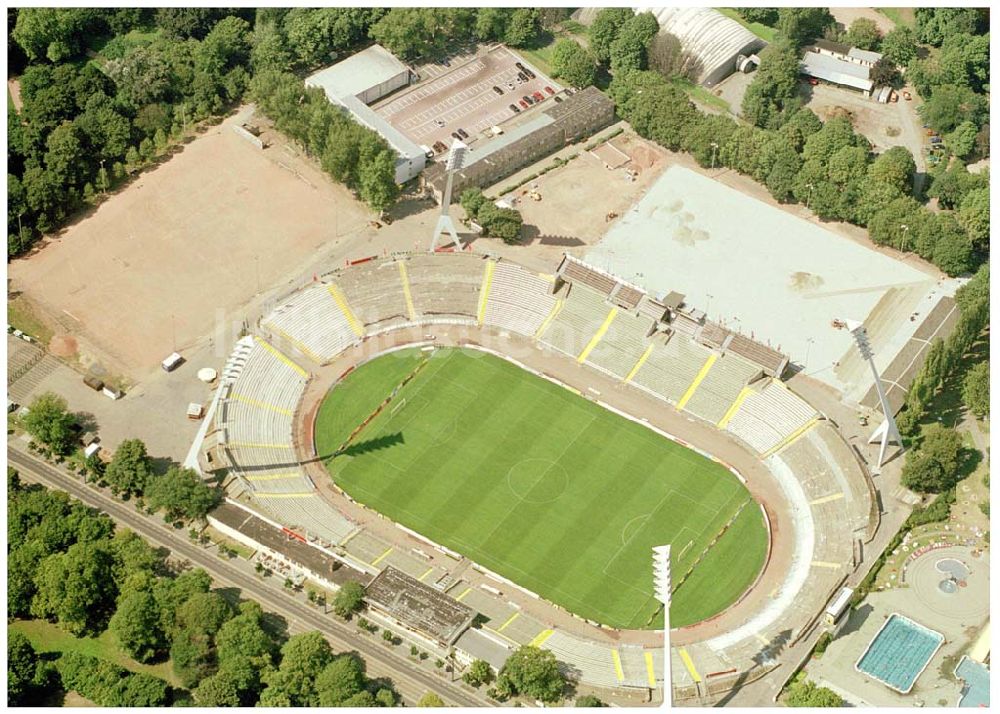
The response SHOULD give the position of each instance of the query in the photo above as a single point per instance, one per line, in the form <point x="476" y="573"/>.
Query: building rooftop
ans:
<point x="358" y="73"/>
<point x="831" y="46"/>
<point x="865" y="55"/>
<point x="419" y="606"/>
<point x="707" y="35"/>
<point x="285" y="542"/>
<point x="364" y="114"/>
<point x="836" y="70"/>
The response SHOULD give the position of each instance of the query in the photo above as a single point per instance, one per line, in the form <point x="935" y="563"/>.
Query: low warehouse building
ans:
<point x="366" y="77"/>
<point x="713" y="43"/>
<point x="417" y="608"/>
<point x="577" y="116"/>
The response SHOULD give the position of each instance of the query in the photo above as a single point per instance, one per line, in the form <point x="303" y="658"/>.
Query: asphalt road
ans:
<point x="410" y="682"/>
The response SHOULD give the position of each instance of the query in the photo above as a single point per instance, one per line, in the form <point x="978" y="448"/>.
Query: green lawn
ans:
<point x="764" y="32"/>
<point x="700" y="94"/>
<point x="901" y="16"/>
<point x="47" y="637"/>
<point x="542" y="486"/>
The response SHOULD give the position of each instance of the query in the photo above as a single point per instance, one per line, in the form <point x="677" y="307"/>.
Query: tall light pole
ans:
<point x="715" y="147"/>
<point x="456" y="157"/>
<point x="661" y="588"/>
<point x="887" y="431"/>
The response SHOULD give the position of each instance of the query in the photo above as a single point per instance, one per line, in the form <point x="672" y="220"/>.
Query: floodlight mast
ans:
<point x="661" y="589"/>
<point x="456" y="158"/>
<point x="887" y="431"/>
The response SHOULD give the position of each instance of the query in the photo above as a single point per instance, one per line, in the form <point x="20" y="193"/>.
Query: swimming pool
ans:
<point x="899" y="652"/>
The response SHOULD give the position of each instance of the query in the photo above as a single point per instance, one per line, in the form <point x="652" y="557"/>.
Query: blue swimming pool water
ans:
<point x="899" y="652"/>
<point x="976" y="692"/>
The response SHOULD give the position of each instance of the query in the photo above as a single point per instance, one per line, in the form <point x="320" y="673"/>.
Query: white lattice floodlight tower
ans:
<point x="456" y="158"/>
<point x="661" y="588"/>
<point x="887" y="432"/>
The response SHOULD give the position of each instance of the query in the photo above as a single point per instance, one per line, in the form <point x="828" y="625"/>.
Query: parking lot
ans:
<point x="462" y="97"/>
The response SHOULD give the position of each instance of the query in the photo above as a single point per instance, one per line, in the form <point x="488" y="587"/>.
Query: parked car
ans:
<point x="445" y="62"/>
<point x="519" y="65"/>
<point x="550" y="90"/>
<point x="935" y="139"/>
<point x="522" y="76"/>
<point x="813" y="81"/>
<point x="454" y="135"/>
<point x="523" y="103"/>
<point x="557" y="98"/>
<point x="931" y="132"/>
<point x="497" y="89"/>
<point x="439" y="123"/>
<point x="906" y="95"/>
<point x="513" y="108"/>
<point x="510" y="86"/>
<point x="531" y="75"/>
<point x="463" y="133"/>
<point x="528" y="99"/>
<point x="538" y="96"/>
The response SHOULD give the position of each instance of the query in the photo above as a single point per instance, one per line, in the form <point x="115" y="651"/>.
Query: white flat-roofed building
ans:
<point x="366" y="77"/>
<point x="712" y="42"/>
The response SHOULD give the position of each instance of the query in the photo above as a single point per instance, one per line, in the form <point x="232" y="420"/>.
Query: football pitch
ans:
<point x="541" y="486"/>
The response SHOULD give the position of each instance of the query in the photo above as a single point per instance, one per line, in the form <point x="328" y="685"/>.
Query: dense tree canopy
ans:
<point x="934" y="466"/>
<point x="533" y="672"/>
<point x="573" y="63"/>
<point x="50" y="422"/>
<point x="772" y="94"/>
<point x="807" y="694"/>
<point x="628" y="51"/>
<point x="604" y="30"/>
<point x="976" y="389"/>
<point x="349" y="599"/>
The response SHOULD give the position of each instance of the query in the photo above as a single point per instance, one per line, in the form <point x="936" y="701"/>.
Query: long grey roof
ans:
<point x="836" y="70"/>
<point x="706" y="34"/>
<point x="364" y="114"/>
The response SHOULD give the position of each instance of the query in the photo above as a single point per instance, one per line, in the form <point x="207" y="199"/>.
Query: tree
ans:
<point x="472" y="200"/>
<point x="803" y="24"/>
<point x="950" y="105"/>
<point x="974" y="216"/>
<point x="349" y="599"/>
<point x="774" y="87"/>
<point x="385" y="698"/>
<point x="667" y="56"/>
<point x="340" y="680"/>
<point x="604" y="30"/>
<point x="573" y="64"/>
<point x="884" y="74"/>
<point x="892" y="225"/>
<point x="76" y="588"/>
<point x="935" y="25"/>
<point x="218" y="690"/>
<point x="136" y="624"/>
<point x="589" y="700"/>
<point x="430" y="699"/>
<point x="504" y="223"/>
<point x="303" y="658"/>
<point x="933" y="466"/>
<point x="628" y="51"/>
<point x="130" y="469"/>
<point x="899" y="45"/>
<point x="49" y="422"/>
<point x="377" y="181"/>
<point x="864" y="34"/>
<point x="523" y="27"/>
<point x="23" y="669"/>
<point x="894" y="167"/>
<point x="973" y="293"/>
<point x="976" y="389"/>
<point x="807" y="694"/>
<point x="533" y="672"/>
<point x="181" y="493"/>
<point x="50" y="33"/>
<point x="204" y="613"/>
<point x="962" y="140"/>
<point x="479" y="673"/>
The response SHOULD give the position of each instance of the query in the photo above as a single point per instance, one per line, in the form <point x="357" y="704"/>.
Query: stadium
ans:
<point x="511" y="443"/>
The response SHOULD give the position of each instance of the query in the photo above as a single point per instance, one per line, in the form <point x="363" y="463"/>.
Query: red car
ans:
<point x="813" y="81"/>
<point x="538" y="96"/>
<point x="550" y="90"/>
<point x="523" y="103"/>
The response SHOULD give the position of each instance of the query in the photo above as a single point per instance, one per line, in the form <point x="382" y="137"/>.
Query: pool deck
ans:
<point x="960" y="618"/>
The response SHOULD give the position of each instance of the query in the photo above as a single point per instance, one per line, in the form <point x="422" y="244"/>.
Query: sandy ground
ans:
<point x="846" y="15"/>
<point x="14" y="87"/>
<point x="185" y="246"/>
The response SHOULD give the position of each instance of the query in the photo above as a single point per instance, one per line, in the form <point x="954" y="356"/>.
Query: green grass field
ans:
<point x="542" y="486"/>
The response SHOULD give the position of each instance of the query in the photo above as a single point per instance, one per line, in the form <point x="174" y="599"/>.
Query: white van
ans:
<point x="172" y="362"/>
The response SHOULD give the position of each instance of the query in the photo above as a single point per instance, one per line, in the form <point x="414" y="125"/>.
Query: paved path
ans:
<point x="411" y="683"/>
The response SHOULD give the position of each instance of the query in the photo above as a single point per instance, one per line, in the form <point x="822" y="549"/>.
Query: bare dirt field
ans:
<point x="847" y="15"/>
<point x="184" y="247"/>
<point x="577" y="198"/>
